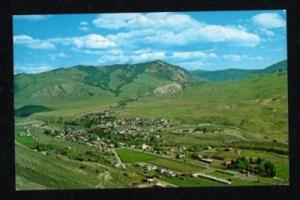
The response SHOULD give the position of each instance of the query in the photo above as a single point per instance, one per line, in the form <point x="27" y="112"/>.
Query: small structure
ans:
<point x="211" y="178"/>
<point x="229" y="164"/>
<point x="206" y="160"/>
<point x="146" y="147"/>
<point x="229" y="149"/>
<point x="180" y="156"/>
<point x="160" y="184"/>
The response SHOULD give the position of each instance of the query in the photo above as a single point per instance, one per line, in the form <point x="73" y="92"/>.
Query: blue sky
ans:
<point x="192" y="40"/>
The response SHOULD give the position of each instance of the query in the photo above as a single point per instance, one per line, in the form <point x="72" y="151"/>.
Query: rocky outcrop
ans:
<point x="168" y="89"/>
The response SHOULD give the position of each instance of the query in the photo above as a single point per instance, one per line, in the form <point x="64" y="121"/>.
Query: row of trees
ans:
<point x="263" y="167"/>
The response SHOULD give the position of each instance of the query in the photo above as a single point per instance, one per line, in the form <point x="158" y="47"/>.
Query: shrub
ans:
<point x="241" y="163"/>
<point x="270" y="169"/>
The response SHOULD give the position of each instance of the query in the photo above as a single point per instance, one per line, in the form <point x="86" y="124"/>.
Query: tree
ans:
<point x="261" y="167"/>
<point x="194" y="155"/>
<point x="270" y="169"/>
<point x="47" y="132"/>
<point x="241" y="163"/>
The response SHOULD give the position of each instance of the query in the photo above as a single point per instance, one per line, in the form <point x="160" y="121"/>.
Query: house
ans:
<point x="146" y="147"/>
<point x="229" y="149"/>
<point x="159" y="184"/>
<point x="180" y="156"/>
<point x="229" y="164"/>
<point x="206" y="160"/>
<point x="150" y="180"/>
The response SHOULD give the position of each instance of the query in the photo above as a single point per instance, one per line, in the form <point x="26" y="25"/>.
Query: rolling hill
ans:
<point x="232" y="74"/>
<point x="83" y="89"/>
<point x="107" y="82"/>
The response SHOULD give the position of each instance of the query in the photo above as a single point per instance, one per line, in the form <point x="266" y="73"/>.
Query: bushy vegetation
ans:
<point x="263" y="167"/>
<point x="28" y="110"/>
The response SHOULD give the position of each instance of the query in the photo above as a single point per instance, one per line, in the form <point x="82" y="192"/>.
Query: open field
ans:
<point x="132" y="156"/>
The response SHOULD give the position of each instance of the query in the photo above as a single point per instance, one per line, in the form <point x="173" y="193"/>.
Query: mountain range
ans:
<point x="123" y="81"/>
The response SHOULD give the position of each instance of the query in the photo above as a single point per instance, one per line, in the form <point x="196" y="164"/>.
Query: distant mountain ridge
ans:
<point x="233" y="74"/>
<point x="123" y="81"/>
<point x="81" y="82"/>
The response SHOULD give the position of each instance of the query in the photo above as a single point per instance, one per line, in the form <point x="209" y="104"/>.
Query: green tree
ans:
<point x="261" y="167"/>
<point x="270" y="169"/>
<point x="241" y="163"/>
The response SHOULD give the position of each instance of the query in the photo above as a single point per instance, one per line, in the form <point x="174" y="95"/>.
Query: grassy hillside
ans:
<point x="89" y="82"/>
<point x="257" y="103"/>
<point x="233" y="74"/>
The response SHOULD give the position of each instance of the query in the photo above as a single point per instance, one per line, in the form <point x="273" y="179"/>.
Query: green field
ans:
<point x="132" y="156"/>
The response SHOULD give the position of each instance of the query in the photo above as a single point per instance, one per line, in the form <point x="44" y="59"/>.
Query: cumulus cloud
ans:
<point x="269" y="20"/>
<point x="57" y="56"/>
<point x="140" y="56"/>
<point x="191" y="55"/>
<point x="93" y="41"/>
<point x="237" y="35"/>
<point x="232" y="57"/>
<point x="171" y="29"/>
<point x="139" y="21"/>
<point x="117" y="56"/>
<point x="113" y="56"/>
<point x="32" y="43"/>
<point x="31" y="17"/>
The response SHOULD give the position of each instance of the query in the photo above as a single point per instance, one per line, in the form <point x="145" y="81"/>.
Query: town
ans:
<point x="104" y="132"/>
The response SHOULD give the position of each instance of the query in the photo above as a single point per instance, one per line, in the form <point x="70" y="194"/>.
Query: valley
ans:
<point x="150" y="125"/>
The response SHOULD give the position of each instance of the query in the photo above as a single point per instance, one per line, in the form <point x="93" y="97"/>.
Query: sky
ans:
<point x="211" y="40"/>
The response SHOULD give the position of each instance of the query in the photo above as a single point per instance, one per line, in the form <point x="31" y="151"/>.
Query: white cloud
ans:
<point x="138" y="21"/>
<point x="237" y="58"/>
<point x="257" y="58"/>
<point x="32" y="43"/>
<point x="32" y="68"/>
<point x="84" y="23"/>
<point x="57" y="56"/>
<point x="193" y="65"/>
<point x="191" y="55"/>
<point x="113" y="56"/>
<point x="269" y="20"/>
<point x="171" y="29"/>
<point x="147" y="56"/>
<point x="237" y="35"/>
<point x="83" y="28"/>
<point x="32" y="17"/>
<point x="90" y="41"/>
<point x="267" y="32"/>
<point x="232" y="57"/>
<point x="113" y="21"/>
<point x="93" y="41"/>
